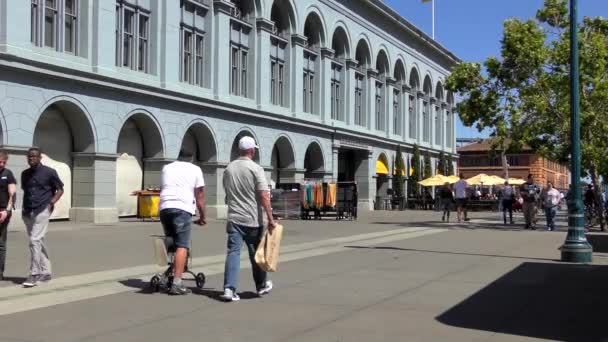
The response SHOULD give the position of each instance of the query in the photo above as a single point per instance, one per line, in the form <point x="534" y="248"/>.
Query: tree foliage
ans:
<point x="415" y="176"/>
<point x="428" y="168"/>
<point x="398" y="175"/>
<point x="524" y="96"/>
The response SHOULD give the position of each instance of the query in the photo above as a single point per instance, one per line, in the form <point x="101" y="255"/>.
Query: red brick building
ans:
<point x="477" y="158"/>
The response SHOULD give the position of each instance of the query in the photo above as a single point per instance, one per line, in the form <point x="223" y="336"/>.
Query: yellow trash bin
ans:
<point x="147" y="204"/>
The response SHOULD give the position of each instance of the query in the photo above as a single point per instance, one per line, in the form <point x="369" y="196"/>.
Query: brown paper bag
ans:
<point x="267" y="254"/>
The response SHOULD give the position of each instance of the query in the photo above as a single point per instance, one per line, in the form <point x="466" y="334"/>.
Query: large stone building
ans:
<point x="112" y="90"/>
<point x="477" y="157"/>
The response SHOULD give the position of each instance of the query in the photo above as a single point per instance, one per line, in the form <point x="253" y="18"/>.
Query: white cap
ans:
<point x="247" y="143"/>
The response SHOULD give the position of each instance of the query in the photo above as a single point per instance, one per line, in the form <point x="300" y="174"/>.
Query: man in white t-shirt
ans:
<point x="182" y="192"/>
<point x="460" y="190"/>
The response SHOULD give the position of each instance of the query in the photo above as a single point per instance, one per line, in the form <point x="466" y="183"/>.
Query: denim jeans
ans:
<point x="177" y="224"/>
<point x="550" y="213"/>
<point x="236" y="235"/>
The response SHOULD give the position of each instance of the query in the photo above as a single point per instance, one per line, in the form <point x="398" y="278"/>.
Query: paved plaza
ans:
<point x="389" y="276"/>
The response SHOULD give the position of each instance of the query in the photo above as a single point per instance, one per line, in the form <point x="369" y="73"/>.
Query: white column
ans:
<point x="297" y="73"/>
<point x="325" y="90"/>
<point x="222" y="31"/>
<point x="262" y="81"/>
<point x="170" y="42"/>
<point x="420" y="118"/>
<point x="349" y="93"/>
<point x="371" y="99"/>
<point x="103" y="47"/>
<point x="389" y="109"/>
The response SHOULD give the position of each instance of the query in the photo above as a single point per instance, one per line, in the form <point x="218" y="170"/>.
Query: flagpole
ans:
<point x="433" y="10"/>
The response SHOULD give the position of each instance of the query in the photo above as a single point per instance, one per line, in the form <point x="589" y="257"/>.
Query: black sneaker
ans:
<point x="31" y="281"/>
<point x="178" y="290"/>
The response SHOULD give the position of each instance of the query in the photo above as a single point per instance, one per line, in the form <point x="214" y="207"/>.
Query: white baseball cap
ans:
<point x="247" y="143"/>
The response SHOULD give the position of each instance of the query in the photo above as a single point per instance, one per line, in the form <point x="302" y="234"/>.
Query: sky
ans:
<point x="472" y="29"/>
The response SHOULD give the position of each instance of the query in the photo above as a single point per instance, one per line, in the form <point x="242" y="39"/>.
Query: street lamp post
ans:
<point x="575" y="248"/>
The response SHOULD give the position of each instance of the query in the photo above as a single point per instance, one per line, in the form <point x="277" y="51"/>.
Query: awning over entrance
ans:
<point x="381" y="167"/>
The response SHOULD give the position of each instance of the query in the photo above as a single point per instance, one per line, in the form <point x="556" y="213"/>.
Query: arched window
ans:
<point x="426" y="110"/>
<point x="340" y="46"/>
<point x="397" y="98"/>
<point x="438" y="110"/>
<point x="279" y="51"/>
<point x="241" y="41"/>
<point x="313" y="31"/>
<point x="192" y="28"/>
<point x="362" y="55"/>
<point x="413" y="104"/>
<point x="383" y="72"/>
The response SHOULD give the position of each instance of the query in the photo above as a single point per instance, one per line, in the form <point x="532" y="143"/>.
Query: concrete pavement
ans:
<point x="390" y="276"/>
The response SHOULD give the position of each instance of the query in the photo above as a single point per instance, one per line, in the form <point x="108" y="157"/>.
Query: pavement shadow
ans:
<point x="15" y="280"/>
<point x="143" y="286"/>
<point x="448" y="252"/>
<point x="599" y="242"/>
<point x="216" y="294"/>
<point x="562" y="302"/>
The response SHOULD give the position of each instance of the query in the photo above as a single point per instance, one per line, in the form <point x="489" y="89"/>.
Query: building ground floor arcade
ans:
<point x="106" y="143"/>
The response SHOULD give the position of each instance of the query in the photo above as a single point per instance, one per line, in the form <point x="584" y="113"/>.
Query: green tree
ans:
<point x="398" y="174"/>
<point x="442" y="165"/>
<point x="415" y="176"/>
<point x="450" y="167"/>
<point x="428" y="168"/>
<point x="524" y="96"/>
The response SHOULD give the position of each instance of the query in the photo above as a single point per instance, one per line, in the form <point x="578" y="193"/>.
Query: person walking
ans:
<point x="247" y="197"/>
<point x="508" y="196"/>
<point x="460" y="191"/>
<point x="42" y="188"/>
<point x="182" y="192"/>
<point x="529" y="191"/>
<point x="551" y="199"/>
<point x="8" y="188"/>
<point x="447" y="197"/>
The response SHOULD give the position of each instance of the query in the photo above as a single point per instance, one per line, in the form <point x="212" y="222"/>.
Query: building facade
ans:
<point x="478" y="158"/>
<point x="113" y="90"/>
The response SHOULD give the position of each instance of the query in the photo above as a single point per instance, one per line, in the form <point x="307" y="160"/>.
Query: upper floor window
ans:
<point x="397" y="115"/>
<point x="55" y="24"/>
<point x="277" y="71"/>
<point x="359" y="99"/>
<point x="192" y="26"/>
<point x="380" y="106"/>
<point x="310" y="59"/>
<point x="336" y="91"/>
<point x="132" y="36"/>
<point x="239" y="58"/>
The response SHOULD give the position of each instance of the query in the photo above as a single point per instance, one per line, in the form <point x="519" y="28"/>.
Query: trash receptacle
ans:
<point x="147" y="204"/>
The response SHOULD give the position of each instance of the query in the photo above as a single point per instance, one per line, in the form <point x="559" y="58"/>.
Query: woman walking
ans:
<point x="508" y="196"/>
<point x="447" y="197"/>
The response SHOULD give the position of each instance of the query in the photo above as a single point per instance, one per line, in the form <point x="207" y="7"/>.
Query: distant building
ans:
<point x="476" y="158"/>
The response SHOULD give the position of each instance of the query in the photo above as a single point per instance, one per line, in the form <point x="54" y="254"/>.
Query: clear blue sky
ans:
<point x="472" y="29"/>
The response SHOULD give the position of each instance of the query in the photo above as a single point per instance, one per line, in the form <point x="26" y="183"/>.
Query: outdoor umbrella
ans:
<point x="436" y="180"/>
<point x="516" y="181"/>
<point x="482" y="179"/>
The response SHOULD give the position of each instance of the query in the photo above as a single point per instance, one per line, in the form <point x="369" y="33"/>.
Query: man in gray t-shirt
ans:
<point x="247" y="197"/>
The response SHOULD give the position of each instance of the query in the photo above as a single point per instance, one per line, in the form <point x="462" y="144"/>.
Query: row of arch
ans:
<point x="64" y="129"/>
<point x="284" y="15"/>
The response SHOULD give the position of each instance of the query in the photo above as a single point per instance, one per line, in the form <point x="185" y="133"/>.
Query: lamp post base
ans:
<point x="577" y="251"/>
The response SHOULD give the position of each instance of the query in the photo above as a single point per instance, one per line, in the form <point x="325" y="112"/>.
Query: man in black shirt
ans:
<point x="42" y="188"/>
<point x="8" y="187"/>
<point x="530" y="192"/>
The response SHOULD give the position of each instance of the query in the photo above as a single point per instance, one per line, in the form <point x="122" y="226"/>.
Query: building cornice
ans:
<point x="299" y="40"/>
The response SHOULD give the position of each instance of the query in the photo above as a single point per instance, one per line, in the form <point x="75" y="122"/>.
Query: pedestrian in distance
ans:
<point x="508" y="197"/>
<point x="551" y="198"/>
<point x="182" y="192"/>
<point x="460" y="192"/>
<point x="8" y="188"/>
<point x="247" y="197"/>
<point x="447" y="198"/>
<point x="42" y="188"/>
<point x="530" y="193"/>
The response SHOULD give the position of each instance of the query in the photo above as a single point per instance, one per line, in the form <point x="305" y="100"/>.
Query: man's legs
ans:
<point x="252" y="238"/>
<point x="233" y="256"/>
<point x="3" y="235"/>
<point x="178" y="225"/>
<point x="40" y="265"/>
<point x="527" y="208"/>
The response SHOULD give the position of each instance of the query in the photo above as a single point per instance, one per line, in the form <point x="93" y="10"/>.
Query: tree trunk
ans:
<point x="505" y="165"/>
<point x="599" y="209"/>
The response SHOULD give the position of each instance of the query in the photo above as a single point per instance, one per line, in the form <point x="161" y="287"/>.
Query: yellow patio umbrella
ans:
<point x="453" y="179"/>
<point x="516" y="181"/>
<point x="497" y="180"/>
<point x="436" y="180"/>
<point x="483" y="179"/>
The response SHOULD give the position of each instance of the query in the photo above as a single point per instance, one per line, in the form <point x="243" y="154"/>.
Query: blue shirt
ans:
<point x="39" y="185"/>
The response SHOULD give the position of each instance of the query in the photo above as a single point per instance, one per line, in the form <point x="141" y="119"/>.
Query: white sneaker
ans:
<point x="266" y="289"/>
<point x="230" y="295"/>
